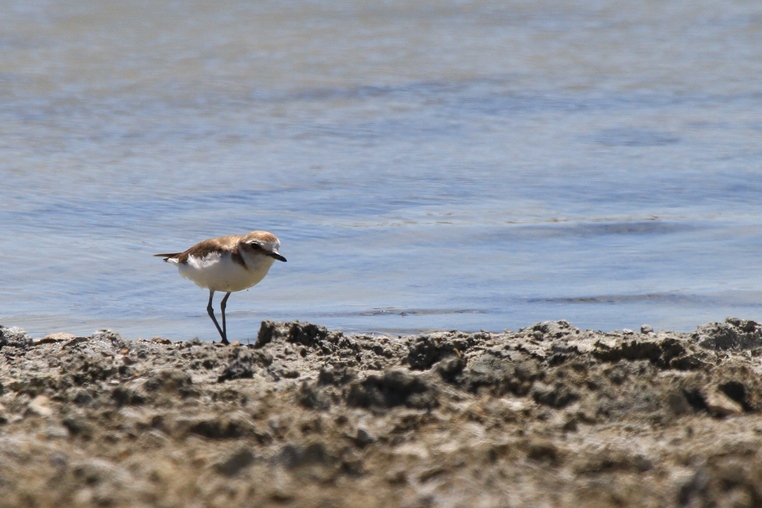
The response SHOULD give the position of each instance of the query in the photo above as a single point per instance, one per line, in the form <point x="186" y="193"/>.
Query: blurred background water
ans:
<point x="427" y="165"/>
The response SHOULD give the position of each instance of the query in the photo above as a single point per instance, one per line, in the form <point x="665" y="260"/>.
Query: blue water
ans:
<point x="435" y="165"/>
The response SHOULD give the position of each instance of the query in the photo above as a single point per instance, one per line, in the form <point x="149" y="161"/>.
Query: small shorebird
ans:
<point x="228" y="263"/>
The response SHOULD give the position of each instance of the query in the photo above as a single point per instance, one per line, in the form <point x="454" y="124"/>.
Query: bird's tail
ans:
<point x="167" y="257"/>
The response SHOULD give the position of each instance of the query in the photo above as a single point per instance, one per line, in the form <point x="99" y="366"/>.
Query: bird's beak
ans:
<point x="276" y="256"/>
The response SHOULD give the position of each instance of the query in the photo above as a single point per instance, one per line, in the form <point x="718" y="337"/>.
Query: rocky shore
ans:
<point x="545" y="416"/>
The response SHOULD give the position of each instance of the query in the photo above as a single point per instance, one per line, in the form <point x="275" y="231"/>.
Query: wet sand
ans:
<point x="545" y="416"/>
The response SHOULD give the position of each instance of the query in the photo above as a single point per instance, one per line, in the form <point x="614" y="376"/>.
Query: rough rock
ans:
<point x="549" y="415"/>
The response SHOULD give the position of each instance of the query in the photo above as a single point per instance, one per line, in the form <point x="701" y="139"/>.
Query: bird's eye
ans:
<point x="255" y="245"/>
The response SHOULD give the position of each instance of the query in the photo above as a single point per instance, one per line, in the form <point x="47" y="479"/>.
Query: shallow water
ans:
<point x="470" y="165"/>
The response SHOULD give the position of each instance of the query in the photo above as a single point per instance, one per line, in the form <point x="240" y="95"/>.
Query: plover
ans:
<point x="228" y="263"/>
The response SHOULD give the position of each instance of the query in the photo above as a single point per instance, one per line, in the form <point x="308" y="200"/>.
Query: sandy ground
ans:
<point x="546" y="416"/>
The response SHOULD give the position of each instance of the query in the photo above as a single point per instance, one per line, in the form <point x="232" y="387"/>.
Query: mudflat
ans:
<point x="549" y="415"/>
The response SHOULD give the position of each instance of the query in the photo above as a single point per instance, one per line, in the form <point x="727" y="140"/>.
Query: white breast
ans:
<point x="218" y="271"/>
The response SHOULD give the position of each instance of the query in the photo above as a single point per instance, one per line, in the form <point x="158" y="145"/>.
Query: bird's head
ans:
<point x="262" y="243"/>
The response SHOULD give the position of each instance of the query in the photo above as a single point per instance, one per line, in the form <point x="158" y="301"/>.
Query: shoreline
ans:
<point x="548" y="415"/>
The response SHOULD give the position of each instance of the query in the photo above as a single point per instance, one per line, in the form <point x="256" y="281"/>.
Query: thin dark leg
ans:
<point x="210" y="311"/>
<point x="224" y="304"/>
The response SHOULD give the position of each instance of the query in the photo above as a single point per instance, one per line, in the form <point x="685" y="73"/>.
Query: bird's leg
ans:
<point x="224" y="304"/>
<point x="210" y="311"/>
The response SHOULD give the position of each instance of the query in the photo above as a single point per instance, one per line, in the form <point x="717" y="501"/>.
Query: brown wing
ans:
<point x="204" y="248"/>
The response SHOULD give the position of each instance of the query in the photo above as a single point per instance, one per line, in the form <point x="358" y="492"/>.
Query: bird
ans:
<point x="228" y="263"/>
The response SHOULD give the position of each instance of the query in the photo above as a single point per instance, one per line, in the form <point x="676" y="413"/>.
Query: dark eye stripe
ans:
<point x="255" y="245"/>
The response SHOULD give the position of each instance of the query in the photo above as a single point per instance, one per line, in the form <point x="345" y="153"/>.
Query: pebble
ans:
<point x="56" y="337"/>
<point x="40" y="406"/>
<point x="722" y="405"/>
